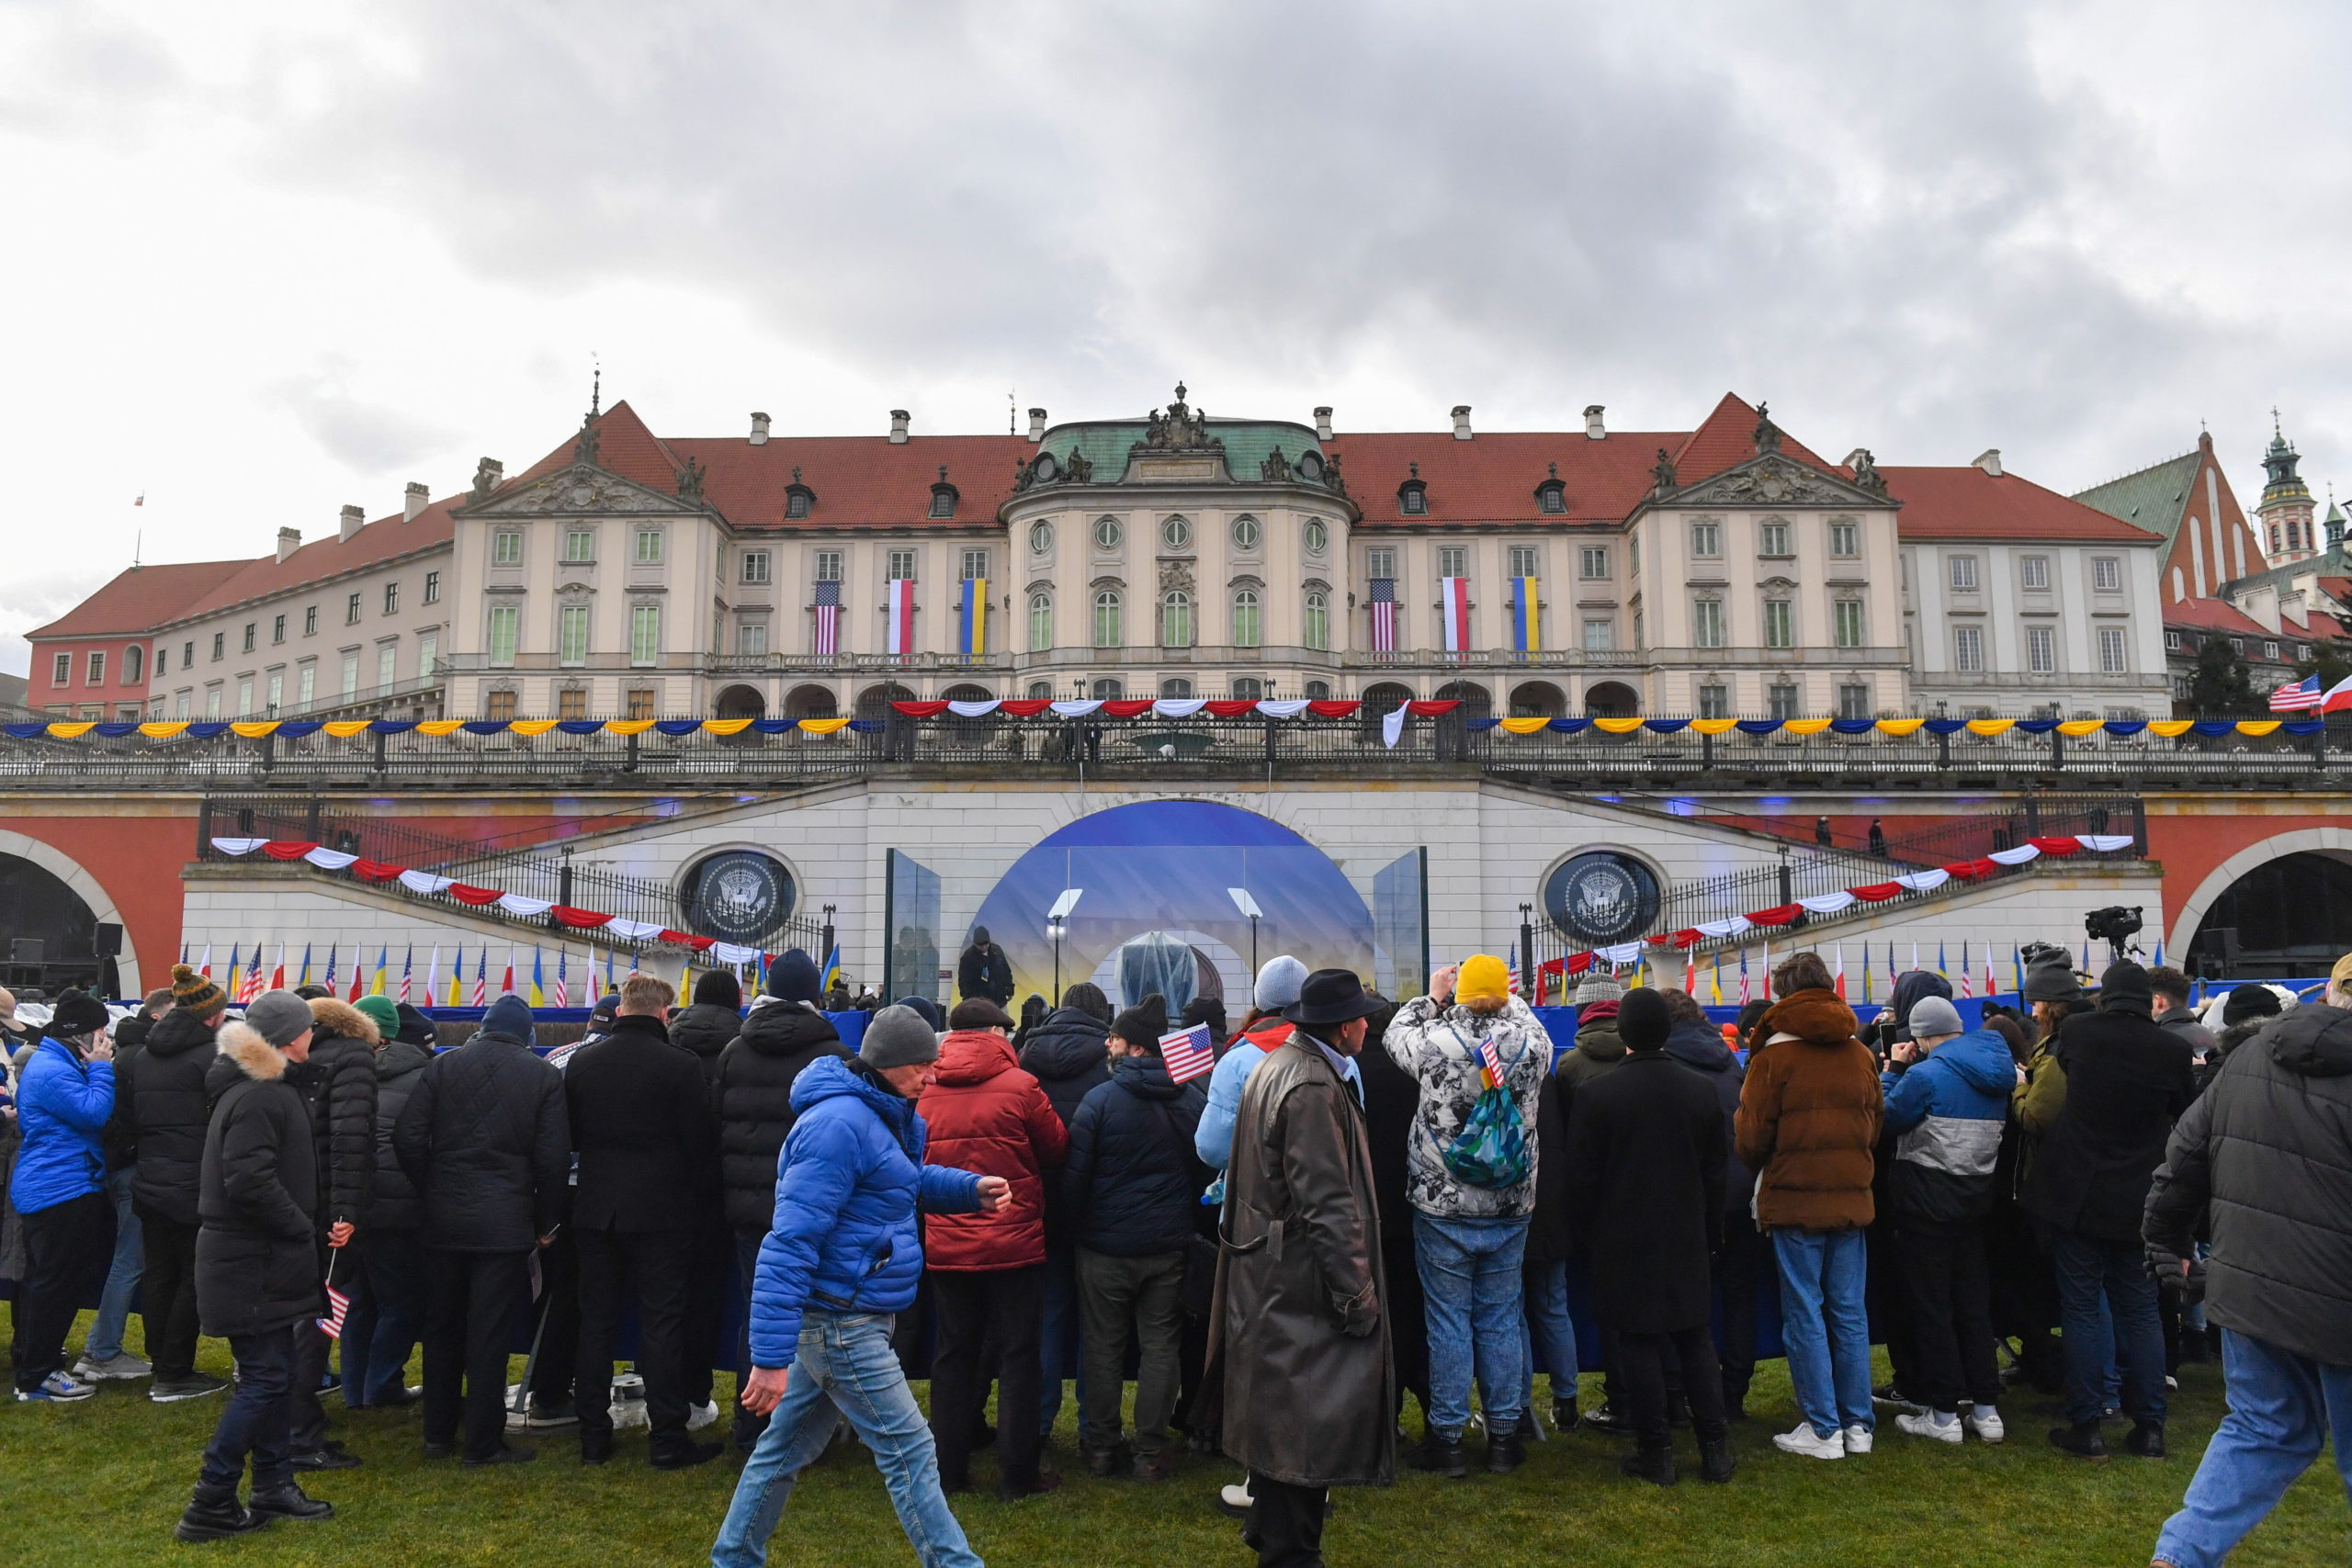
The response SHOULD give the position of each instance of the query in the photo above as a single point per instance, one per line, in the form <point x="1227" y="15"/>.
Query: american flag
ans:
<point x="252" y="985"/>
<point x="1188" y="1053"/>
<point x="338" y="1307"/>
<point x="2297" y="695"/>
<point x="828" y="640"/>
<point x="1492" y="1060"/>
<point x="1383" y="614"/>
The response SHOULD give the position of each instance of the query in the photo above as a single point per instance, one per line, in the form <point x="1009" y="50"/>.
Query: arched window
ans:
<point x="1175" y="619"/>
<point x="1041" y="622"/>
<point x="1176" y="688"/>
<point x="1107" y="631"/>
<point x="1318" y="619"/>
<point x="134" y="660"/>
<point x="1249" y="688"/>
<point x="1246" y="630"/>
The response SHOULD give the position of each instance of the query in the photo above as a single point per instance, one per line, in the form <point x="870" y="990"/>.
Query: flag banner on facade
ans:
<point x="1383" y="592"/>
<point x="825" y="636"/>
<point x="972" y="618"/>
<point x="1526" y="616"/>
<point x="1453" y="613"/>
<point x="899" y="617"/>
<point x="1188" y="1053"/>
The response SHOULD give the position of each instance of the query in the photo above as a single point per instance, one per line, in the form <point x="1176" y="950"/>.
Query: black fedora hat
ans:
<point x="1331" y="996"/>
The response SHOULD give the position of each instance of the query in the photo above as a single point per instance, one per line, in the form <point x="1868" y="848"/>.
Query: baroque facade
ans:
<point x="1722" y="570"/>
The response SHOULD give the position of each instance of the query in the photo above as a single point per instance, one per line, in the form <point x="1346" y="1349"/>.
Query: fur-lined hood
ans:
<point x="1816" y="1016"/>
<point x="342" y="1018"/>
<point x="257" y="1058"/>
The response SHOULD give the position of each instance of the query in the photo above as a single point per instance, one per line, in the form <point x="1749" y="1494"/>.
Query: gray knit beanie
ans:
<point x="898" y="1036"/>
<point x="1601" y="987"/>
<point x="280" y="1017"/>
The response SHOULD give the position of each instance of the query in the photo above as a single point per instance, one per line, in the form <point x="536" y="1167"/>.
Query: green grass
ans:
<point x="101" y="1483"/>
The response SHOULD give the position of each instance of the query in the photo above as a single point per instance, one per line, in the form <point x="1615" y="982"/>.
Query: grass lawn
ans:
<point x="100" y="1483"/>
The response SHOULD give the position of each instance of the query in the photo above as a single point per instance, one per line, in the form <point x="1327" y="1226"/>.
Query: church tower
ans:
<point x="2283" y="520"/>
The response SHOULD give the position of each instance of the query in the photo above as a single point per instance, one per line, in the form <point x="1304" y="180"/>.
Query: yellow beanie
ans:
<point x="1483" y="982"/>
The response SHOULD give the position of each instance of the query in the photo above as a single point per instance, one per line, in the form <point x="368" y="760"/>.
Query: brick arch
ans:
<point x="2183" y="926"/>
<point x="91" y="891"/>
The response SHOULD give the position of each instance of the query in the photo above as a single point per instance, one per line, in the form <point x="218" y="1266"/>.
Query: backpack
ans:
<point x="1491" y="1149"/>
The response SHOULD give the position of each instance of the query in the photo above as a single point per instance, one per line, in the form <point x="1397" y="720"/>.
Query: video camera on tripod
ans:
<point x="2115" y="925"/>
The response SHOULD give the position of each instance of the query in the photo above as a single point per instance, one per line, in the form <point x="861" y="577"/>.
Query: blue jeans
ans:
<point x="1548" y="1324"/>
<point x="2282" y="1407"/>
<point x="1060" y="1338"/>
<point x="1470" y="1282"/>
<point x="2107" y="1311"/>
<point x="845" y="1362"/>
<point x="384" y="1273"/>
<point x="1826" y="1327"/>
<point x="258" y="1420"/>
<point x="123" y="1277"/>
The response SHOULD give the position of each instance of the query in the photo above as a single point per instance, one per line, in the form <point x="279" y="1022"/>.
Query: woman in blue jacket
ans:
<point x="844" y="1257"/>
<point x="63" y="1103"/>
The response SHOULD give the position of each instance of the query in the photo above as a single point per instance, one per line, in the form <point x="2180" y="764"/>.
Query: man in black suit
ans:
<point x="648" y="1176"/>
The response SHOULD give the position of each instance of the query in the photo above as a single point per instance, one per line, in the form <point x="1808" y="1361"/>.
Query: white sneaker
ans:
<point x="121" y="1367"/>
<point x="701" y="1415"/>
<point x="58" y="1388"/>
<point x="1986" y="1422"/>
<point x="1858" y="1439"/>
<point x="1811" y="1444"/>
<point x="1936" y="1425"/>
<point x="1234" y="1500"/>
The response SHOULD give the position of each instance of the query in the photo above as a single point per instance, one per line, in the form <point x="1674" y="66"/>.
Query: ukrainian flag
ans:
<point x="833" y="971"/>
<point x="1526" y="621"/>
<point x="538" y="979"/>
<point x="972" y="618"/>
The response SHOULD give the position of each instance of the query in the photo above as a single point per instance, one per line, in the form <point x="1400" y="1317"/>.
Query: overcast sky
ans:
<point x="264" y="260"/>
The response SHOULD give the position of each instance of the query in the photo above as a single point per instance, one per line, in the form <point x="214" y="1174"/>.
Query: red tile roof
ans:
<point x="139" y="598"/>
<point x="1726" y="438"/>
<point x="320" y="559"/>
<point x="1966" y="503"/>
<point x="2213" y="615"/>
<point x="1492" y="477"/>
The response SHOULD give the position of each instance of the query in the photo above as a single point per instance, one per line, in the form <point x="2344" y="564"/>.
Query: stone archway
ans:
<point x="2181" y="929"/>
<point x="875" y="701"/>
<point x="91" y="892"/>
<point x="811" y="701"/>
<point x="1475" y="700"/>
<point x="741" y="702"/>
<point x="1538" y="699"/>
<point x="1612" y="699"/>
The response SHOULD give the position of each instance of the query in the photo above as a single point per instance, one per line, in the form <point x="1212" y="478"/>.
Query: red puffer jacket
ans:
<point x="984" y="1114"/>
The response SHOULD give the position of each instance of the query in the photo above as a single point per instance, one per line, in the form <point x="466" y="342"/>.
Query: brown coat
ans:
<point x="1299" y="1324"/>
<point x="1808" y="1117"/>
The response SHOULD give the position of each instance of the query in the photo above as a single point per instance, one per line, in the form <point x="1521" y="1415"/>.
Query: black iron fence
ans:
<point x="1200" y="746"/>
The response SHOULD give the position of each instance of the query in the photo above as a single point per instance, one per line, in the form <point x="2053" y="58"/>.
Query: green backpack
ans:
<point x="1491" y="1149"/>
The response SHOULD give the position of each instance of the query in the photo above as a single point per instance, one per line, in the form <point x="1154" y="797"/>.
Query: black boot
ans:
<point x="218" y="1520"/>
<point x="596" y="1447"/>
<point x="1564" y="1414"/>
<point x="2080" y="1439"/>
<point x="684" y="1456"/>
<point x="1653" y="1465"/>
<point x="1506" y="1451"/>
<point x="2147" y="1439"/>
<point x="288" y="1501"/>
<point x="1715" y="1462"/>
<point x="1435" y="1453"/>
<point x="1611" y="1420"/>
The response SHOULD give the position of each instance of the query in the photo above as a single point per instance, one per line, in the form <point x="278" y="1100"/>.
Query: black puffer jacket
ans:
<point x="756" y="1077"/>
<point x="705" y="1029"/>
<point x="121" y="1136"/>
<point x="164" y="1092"/>
<point x="2263" y="1161"/>
<point x="395" y="1205"/>
<point x="1068" y="1057"/>
<point x="1133" y="1182"/>
<point x="2127" y="1082"/>
<point x="1701" y="1048"/>
<point x="338" y="1085"/>
<point x="484" y="1139"/>
<point x="256" y="1254"/>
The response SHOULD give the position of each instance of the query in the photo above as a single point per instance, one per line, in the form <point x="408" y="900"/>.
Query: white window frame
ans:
<point x="505" y="636"/>
<point x="1706" y="623"/>
<point x="2042" y="651"/>
<point x="2115" y="651"/>
<point x="644" y="635"/>
<point x="1454" y="560"/>
<point x="1968" y="650"/>
<point x="1526" y="561"/>
<point x="1706" y="540"/>
<point x="900" y="567"/>
<point x="1779" y="622"/>
<point x="1592" y="563"/>
<point x="759" y="566"/>
<point x="2033" y="573"/>
<point x="574" y="634"/>
<point x="579" y="546"/>
<point x="1961" y="573"/>
<point x="506" y="547"/>
<point x="2107" y="574"/>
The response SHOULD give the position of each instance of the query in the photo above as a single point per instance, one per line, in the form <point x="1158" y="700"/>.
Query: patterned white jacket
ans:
<point x="1440" y="1047"/>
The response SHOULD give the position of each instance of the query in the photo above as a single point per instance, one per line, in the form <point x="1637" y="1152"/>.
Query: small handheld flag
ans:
<point x="338" y="1308"/>
<point x="1490" y="1062"/>
<point x="1188" y="1053"/>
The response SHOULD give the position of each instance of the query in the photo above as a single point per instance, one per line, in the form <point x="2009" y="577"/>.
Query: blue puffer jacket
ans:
<point x="849" y="1180"/>
<point x="1946" y="1114"/>
<point x="63" y="1103"/>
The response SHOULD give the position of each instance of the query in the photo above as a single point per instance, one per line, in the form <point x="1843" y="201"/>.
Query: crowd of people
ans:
<point x="1362" y="1199"/>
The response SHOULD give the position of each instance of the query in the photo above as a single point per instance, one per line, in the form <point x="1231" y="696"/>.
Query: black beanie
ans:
<point x="2124" y="988"/>
<point x="2249" y="1001"/>
<point x="721" y="987"/>
<point x="1643" y="1021"/>
<point x="1142" y="1024"/>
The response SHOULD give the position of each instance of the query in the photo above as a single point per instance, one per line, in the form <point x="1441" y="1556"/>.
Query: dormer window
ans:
<point x="1552" y="496"/>
<point x="1413" y="495"/>
<point x="799" y="500"/>
<point x="943" y="495"/>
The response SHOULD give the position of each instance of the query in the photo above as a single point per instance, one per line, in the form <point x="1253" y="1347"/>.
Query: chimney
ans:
<point x="352" y="521"/>
<point x="1323" y="421"/>
<point x="1462" y="422"/>
<point x="1593" y="428"/>
<point x="898" y="427"/>
<point x="1036" y="426"/>
<point x="1989" y="460"/>
<point x="288" y="541"/>
<point x="759" y="430"/>
<point x="414" y="501"/>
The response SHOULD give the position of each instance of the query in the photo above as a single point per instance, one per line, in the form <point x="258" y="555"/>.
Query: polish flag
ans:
<point x="506" y="986"/>
<point x="277" y="975"/>
<point x="899" y="617"/>
<point x="1842" y="971"/>
<point x="2338" y="698"/>
<point x="1453" y="613"/>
